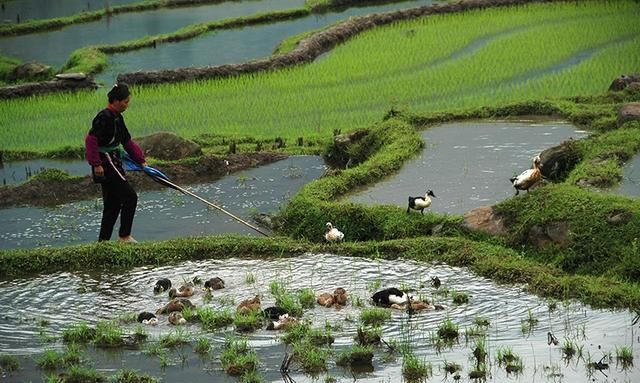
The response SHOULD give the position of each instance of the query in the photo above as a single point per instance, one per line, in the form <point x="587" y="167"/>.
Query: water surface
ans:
<point x="32" y="313"/>
<point x="15" y="172"/>
<point x="630" y="184"/>
<point x="47" y="9"/>
<point x="468" y="164"/>
<point x="166" y="213"/>
<point x="54" y="47"/>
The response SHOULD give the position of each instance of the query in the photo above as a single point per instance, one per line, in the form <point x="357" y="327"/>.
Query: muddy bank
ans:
<point x="61" y="84"/>
<point x="308" y="49"/>
<point x="40" y="192"/>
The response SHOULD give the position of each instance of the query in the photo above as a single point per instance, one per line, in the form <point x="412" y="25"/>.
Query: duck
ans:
<point x="214" y="284"/>
<point x="176" y="318"/>
<point x="340" y="296"/>
<point x="249" y="305"/>
<point x="326" y="299"/>
<point x="415" y="306"/>
<point x="163" y="284"/>
<point x="527" y="178"/>
<point x="274" y="312"/>
<point x="146" y="317"/>
<point x="389" y="296"/>
<point x="332" y="234"/>
<point x="420" y="203"/>
<point x="435" y="282"/>
<point x="176" y="304"/>
<point x="283" y="322"/>
<point x="183" y="291"/>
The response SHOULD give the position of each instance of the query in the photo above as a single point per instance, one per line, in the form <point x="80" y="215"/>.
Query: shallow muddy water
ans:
<point x="15" y="172"/>
<point x="166" y="214"/>
<point x="54" y="47"/>
<point x="468" y="164"/>
<point x="32" y="313"/>
<point x="630" y="184"/>
<point x="39" y="9"/>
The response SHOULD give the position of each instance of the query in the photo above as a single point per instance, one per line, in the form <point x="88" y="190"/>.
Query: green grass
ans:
<point x="374" y="316"/>
<point x="415" y="369"/>
<point x="356" y="355"/>
<point x="344" y="91"/>
<point x="132" y="376"/>
<point x="8" y="363"/>
<point x="237" y="358"/>
<point x="212" y="320"/>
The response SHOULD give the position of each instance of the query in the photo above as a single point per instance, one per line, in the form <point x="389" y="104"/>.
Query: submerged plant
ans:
<point x="8" y="363"/>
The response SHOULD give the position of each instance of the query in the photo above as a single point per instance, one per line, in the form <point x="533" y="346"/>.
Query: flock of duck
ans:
<point x="277" y="318"/>
<point x="524" y="181"/>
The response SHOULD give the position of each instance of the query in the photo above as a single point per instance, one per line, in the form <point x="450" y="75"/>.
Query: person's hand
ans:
<point x="144" y="164"/>
<point x="99" y="170"/>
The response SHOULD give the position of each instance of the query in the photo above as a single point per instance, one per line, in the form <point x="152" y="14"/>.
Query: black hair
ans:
<point x="119" y="92"/>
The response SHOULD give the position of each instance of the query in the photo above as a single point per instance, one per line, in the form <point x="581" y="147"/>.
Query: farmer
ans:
<point x="104" y="154"/>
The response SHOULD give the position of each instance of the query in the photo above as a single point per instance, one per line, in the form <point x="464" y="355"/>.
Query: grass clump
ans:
<point x="624" y="355"/>
<point x="452" y="367"/>
<point x="212" y="320"/>
<point x="108" y="335"/>
<point x="368" y="335"/>
<point x="285" y="300"/>
<point x="448" y="331"/>
<point x="356" y="356"/>
<point x="312" y="359"/>
<point x="133" y="376"/>
<point x="52" y="359"/>
<point x="174" y="339"/>
<point x="459" y="297"/>
<point x="8" y="363"/>
<point x="374" y="316"/>
<point x="80" y="374"/>
<point x="79" y="333"/>
<point x="248" y="322"/>
<point x="203" y="345"/>
<point x="307" y="298"/>
<point x="511" y="361"/>
<point x="237" y="358"/>
<point x="415" y="369"/>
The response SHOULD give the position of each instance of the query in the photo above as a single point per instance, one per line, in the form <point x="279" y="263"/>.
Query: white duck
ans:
<point x="332" y="234"/>
<point x="420" y="203"/>
<point x="527" y="178"/>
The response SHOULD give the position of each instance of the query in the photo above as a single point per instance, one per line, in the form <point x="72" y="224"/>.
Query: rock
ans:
<point x="264" y="219"/>
<point x="629" y="112"/>
<point x="554" y="232"/>
<point x="634" y="86"/>
<point x="484" y="219"/>
<point x="619" y="217"/>
<point x="348" y="150"/>
<point x="30" y="71"/>
<point x="72" y="76"/>
<point x="557" y="161"/>
<point x="623" y="81"/>
<point x="168" y="146"/>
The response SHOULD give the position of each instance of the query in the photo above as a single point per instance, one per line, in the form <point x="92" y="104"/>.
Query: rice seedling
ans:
<point x="356" y="356"/>
<point x="374" y="316"/>
<point x="129" y="317"/>
<point x="175" y="338"/>
<point x="480" y="372"/>
<point x="49" y="360"/>
<point x="155" y="349"/>
<point x="212" y="320"/>
<point x="527" y="325"/>
<point x="250" y="278"/>
<point x="203" y="345"/>
<point x="133" y="376"/>
<point x="330" y="379"/>
<point x="320" y="337"/>
<point x="481" y="322"/>
<point x="226" y="300"/>
<point x="252" y="377"/>
<point x="79" y="333"/>
<point x="511" y="361"/>
<point x="284" y="299"/>
<point x="357" y="301"/>
<point x="312" y="359"/>
<point x="43" y="322"/>
<point x="349" y="92"/>
<point x="52" y="359"/>
<point x="8" y="363"/>
<point x="624" y="355"/>
<point x="474" y="332"/>
<point x="250" y="321"/>
<point x="452" y="367"/>
<point x="448" y="331"/>
<point x="84" y="374"/>
<point x="415" y="369"/>
<point x="189" y="313"/>
<point x="296" y="333"/>
<point x="368" y="336"/>
<point x="459" y="297"/>
<point x="374" y="285"/>
<point x="237" y="358"/>
<point x="108" y="335"/>
<point x="307" y="298"/>
<point x="568" y="349"/>
<point x="480" y="352"/>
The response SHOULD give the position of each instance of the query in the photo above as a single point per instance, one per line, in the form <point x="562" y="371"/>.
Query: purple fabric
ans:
<point x="91" y="150"/>
<point x="134" y="151"/>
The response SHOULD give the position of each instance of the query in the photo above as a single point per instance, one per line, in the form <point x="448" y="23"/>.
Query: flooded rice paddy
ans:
<point x="36" y="310"/>
<point x="468" y="164"/>
<point x="54" y="47"/>
<point x="166" y="214"/>
<point x="38" y="9"/>
<point x="15" y="172"/>
<point x="630" y="184"/>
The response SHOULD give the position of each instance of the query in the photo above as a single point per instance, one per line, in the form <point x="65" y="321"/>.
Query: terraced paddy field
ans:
<point x="500" y="56"/>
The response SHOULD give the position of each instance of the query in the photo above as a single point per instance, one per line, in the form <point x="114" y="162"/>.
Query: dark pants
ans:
<point x="119" y="198"/>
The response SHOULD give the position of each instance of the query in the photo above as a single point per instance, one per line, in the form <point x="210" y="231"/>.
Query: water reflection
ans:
<point x="38" y="9"/>
<point x="630" y="184"/>
<point x="167" y="214"/>
<point x="71" y="297"/>
<point x="469" y="164"/>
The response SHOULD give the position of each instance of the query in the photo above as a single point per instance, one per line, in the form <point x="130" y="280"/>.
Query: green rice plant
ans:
<point x="320" y="336"/>
<point x="480" y="351"/>
<point x="479" y="372"/>
<point x="624" y="355"/>
<point x="174" y="339"/>
<point x="459" y="297"/>
<point x="8" y="363"/>
<point x="452" y="367"/>
<point x="203" y="345"/>
<point x="307" y="298"/>
<point x="356" y="356"/>
<point x="189" y="313"/>
<point x="349" y="92"/>
<point x="79" y="333"/>
<point x="140" y="332"/>
<point x="474" y="332"/>
<point x="374" y="285"/>
<point x="155" y="349"/>
<point x="237" y="358"/>
<point x="226" y="301"/>
<point x="250" y="278"/>
<point x="296" y="332"/>
<point x="511" y="361"/>
<point x="312" y="359"/>
<point x="527" y="325"/>
<point x="250" y="321"/>
<point x="133" y="376"/>
<point x="284" y="299"/>
<point x="368" y="335"/>
<point x="212" y="320"/>
<point x="49" y="360"/>
<point x="569" y="349"/>
<point x="481" y="322"/>
<point x="52" y="359"/>
<point x="84" y="374"/>
<point x="128" y="317"/>
<point x="415" y="369"/>
<point x="108" y="335"/>
<point x="374" y="316"/>
<point x="357" y="301"/>
<point x="252" y="377"/>
<point x="448" y="331"/>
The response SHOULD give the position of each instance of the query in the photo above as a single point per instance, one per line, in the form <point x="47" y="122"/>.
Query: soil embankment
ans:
<point x="44" y="192"/>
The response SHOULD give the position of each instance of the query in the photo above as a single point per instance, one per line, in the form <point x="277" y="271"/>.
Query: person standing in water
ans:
<point x="104" y="154"/>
